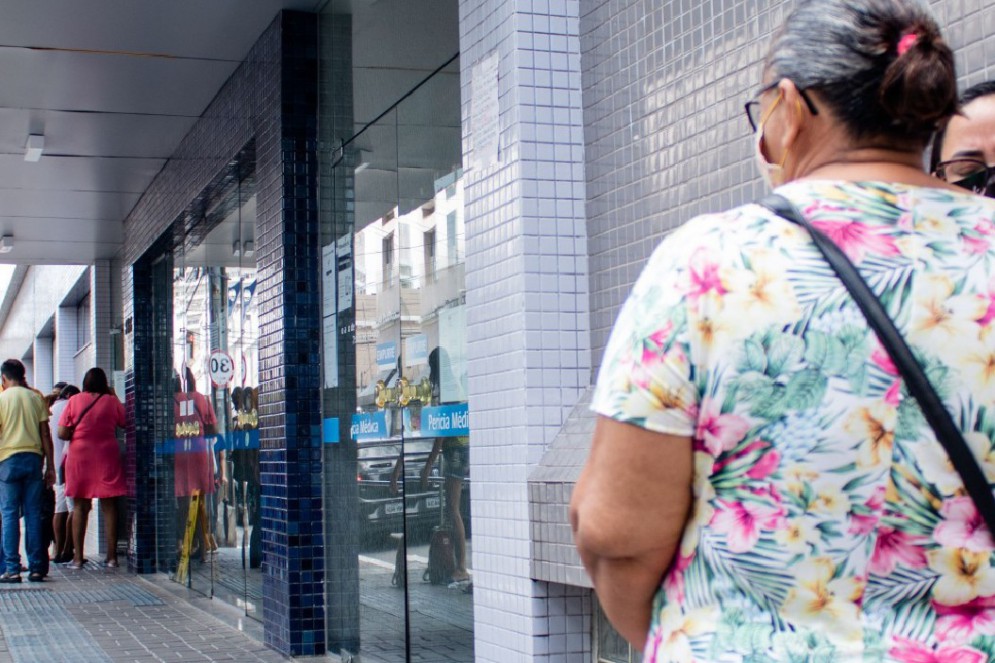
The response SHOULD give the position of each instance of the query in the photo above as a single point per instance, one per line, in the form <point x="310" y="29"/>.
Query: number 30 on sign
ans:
<point x="221" y="368"/>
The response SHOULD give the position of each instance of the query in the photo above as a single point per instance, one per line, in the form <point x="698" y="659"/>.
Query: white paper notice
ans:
<point x="452" y="355"/>
<point x="485" y="112"/>
<point x="330" y="351"/>
<point x="119" y="385"/>
<point x="328" y="270"/>
<point x="343" y="252"/>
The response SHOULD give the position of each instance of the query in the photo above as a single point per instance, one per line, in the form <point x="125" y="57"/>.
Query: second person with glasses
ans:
<point x="963" y="152"/>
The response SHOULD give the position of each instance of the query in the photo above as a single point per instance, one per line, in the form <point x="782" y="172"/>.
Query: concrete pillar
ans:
<point x="44" y="372"/>
<point x="528" y="312"/>
<point x="65" y="345"/>
<point x="101" y="314"/>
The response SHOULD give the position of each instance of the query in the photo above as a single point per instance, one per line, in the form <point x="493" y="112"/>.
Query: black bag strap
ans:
<point x="87" y="409"/>
<point x="947" y="432"/>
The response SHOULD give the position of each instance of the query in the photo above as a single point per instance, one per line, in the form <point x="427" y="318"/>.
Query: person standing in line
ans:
<point x="62" y="521"/>
<point x="25" y="444"/>
<point x="762" y="486"/>
<point x="94" y="467"/>
<point x="964" y="151"/>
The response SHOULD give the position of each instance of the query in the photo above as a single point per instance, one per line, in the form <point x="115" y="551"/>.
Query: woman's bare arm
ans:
<point x="628" y="513"/>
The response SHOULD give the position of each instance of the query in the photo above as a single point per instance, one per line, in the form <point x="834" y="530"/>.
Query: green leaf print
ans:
<point x="735" y="634"/>
<point x="774" y="406"/>
<point x="805" y="389"/>
<point x="903" y="585"/>
<point x="916" y="621"/>
<point x="754" y="359"/>
<point x="910" y="420"/>
<point x="753" y="387"/>
<point x="784" y="352"/>
<point x="824" y="352"/>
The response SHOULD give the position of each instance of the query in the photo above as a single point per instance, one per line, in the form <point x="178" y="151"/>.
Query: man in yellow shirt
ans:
<point x="25" y="441"/>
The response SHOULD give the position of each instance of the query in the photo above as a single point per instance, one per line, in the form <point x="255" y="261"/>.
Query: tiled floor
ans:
<point x="109" y="615"/>
<point x="97" y="615"/>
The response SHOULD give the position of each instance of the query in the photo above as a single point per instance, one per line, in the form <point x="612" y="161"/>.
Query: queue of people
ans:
<point x="61" y="472"/>
<point x="767" y="480"/>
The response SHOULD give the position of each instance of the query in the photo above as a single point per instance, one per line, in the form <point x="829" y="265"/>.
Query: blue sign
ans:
<point x="201" y="444"/>
<point x="235" y="440"/>
<point x="386" y="355"/>
<point x="441" y="421"/>
<point x="330" y="430"/>
<point x="369" y="426"/>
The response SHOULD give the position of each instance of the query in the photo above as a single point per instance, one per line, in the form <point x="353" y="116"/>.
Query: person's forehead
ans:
<point x="973" y="130"/>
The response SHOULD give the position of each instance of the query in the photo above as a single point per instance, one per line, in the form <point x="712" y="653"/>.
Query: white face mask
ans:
<point x="772" y="173"/>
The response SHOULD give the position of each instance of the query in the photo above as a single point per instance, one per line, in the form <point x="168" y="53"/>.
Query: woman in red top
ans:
<point x="94" y="467"/>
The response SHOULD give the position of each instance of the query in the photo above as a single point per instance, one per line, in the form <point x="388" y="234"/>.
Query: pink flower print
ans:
<point x="905" y="221"/>
<point x="673" y="584"/>
<point x="910" y="651"/>
<point x="863" y="524"/>
<point x="975" y="245"/>
<point x="704" y="279"/>
<point x="858" y="239"/>
<point x="719" y="432"/>
<point x="662" y="335"/>
<point x="736" y="458"/>
<point x="742" y="522"/>
<point x="894" y="547"/>
<point x="876" y="500"/>
<point x="990" y="313"/>
<point x="893" y="396"/>
<point x="765" y="466"/>
<point x="882" y="360"/>
<point x="958" y="624"/>
<point x="963" y="527"/>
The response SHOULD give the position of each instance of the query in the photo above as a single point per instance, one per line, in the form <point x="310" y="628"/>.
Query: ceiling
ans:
<point x="114" y="86"/>
<point x="397" y="45"/>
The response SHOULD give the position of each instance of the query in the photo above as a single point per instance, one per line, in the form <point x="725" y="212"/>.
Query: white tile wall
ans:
<point x="527" y="301"/>
<point x="102" y="288"/>
<point x="65" y="345"/>
<point x="44" y="364"/>
<point x="42" y="291"/>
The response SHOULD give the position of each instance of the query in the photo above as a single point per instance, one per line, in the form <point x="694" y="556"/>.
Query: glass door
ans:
<point x="402" y="587"/>
<point x="208" y="511"/>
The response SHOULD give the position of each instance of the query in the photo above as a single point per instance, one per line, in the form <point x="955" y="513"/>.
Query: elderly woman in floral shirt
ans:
<point x="760" y="486"/>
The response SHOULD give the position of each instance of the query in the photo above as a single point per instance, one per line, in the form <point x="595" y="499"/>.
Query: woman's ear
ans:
<point x="797" y="115"/>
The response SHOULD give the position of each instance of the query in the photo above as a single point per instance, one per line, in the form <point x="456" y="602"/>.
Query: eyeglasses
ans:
<point x="971" y="174"/>
<point x="752" y="107"/>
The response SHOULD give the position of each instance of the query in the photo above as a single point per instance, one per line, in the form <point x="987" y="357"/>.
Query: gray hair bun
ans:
<point x="881" y="66"/>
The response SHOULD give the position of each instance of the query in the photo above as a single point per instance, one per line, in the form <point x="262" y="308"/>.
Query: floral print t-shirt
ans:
<point x="828" y="523"/>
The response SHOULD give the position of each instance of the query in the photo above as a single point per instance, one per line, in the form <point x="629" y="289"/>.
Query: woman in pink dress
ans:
<point x="94" y="467"/>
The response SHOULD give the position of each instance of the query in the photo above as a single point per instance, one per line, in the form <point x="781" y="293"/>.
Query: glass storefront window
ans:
<point x="208" y="520"/>
<point x="399" y="539"/>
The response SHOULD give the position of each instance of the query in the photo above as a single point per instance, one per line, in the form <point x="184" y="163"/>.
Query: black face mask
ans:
<point x="981" y="183"/>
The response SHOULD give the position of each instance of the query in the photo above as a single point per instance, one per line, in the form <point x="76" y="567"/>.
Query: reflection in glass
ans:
<point x="397" y="529"/>
<point x="213" y="438"/>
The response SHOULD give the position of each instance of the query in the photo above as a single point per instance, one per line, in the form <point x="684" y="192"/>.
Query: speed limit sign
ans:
<point x="221" y="368"/>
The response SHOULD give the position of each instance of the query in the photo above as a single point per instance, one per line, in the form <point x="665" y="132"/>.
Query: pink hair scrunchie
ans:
<point x="907" y="41"/>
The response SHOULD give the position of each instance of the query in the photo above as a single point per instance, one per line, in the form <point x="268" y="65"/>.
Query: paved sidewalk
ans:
<point x="97" y="615"/>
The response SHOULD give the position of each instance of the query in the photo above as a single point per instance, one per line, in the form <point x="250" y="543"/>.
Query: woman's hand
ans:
<point x="628" y="512"/>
